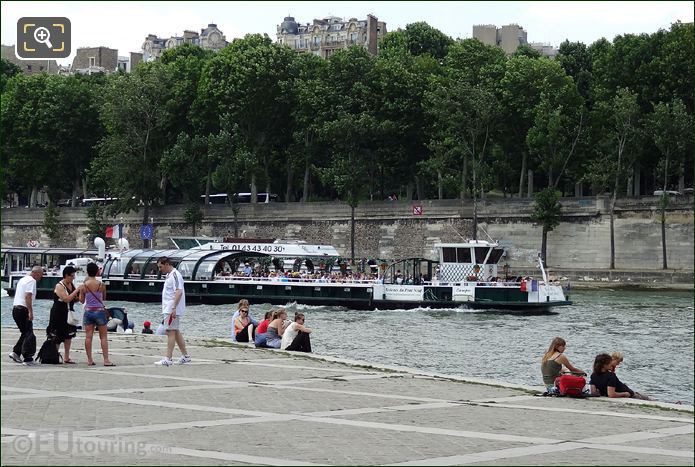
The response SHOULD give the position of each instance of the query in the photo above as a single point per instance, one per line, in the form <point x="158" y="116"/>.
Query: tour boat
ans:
<point x="464" y="275"/>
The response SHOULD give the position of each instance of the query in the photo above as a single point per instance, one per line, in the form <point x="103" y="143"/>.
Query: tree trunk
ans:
<point x="551" y="181"/>
<point x="352" y="234"/>
<point x="208" y="179"/>
<point x="440" y="185"/>
<point x="681" y="177"/>
<point x="663" y="233"/>
<point x="464" y="177"/>
<point x="544" y="245"/>
<point x="522" y="175"/>
<point x="254" y="189"/>
<point x="530" y="184"/>
<point x="290" y="175"/>
<point x="418" y="188"/>
<point x="612" y="266"/>
<point x="409" y="191"/>
<point x="84" y="188"/>
<point x="664" y="202"/>
<point x="32" y="198"/>
<point x="75" y="191"/>
<point x="163" y="186"/>
<point x="305" y="191"/>
<point x="235" y="213"/>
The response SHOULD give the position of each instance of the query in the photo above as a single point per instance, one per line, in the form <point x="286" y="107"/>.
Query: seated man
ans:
<point x="605" y="383"/>
<point x="296" y="335"/>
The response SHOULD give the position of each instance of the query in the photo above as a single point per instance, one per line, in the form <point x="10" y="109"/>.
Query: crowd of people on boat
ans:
<point x="556" y="369"/>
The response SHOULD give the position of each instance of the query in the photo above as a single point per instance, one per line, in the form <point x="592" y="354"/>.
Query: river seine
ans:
<point x="653" y="329"/>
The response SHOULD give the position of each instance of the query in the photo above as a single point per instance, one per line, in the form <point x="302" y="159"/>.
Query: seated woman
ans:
<point x="553" y="362"/>
<point x="276" y="329"/>
<point x="262" y="329"/>
<point x="244" y="330"/>
<point x="604" y="381"/>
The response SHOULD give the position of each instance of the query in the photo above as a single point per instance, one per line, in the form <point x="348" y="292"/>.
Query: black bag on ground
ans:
<point x="49" y="353"/>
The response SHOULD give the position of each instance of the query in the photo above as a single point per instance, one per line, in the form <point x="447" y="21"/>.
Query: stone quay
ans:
<point x="239" y="405"/>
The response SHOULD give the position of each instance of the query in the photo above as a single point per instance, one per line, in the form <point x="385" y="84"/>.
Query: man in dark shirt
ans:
<point x="604" y="382"/>
<point x="146" y="328"/>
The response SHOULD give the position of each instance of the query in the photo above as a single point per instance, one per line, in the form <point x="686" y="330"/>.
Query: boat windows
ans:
<point x="495" y="256"/>
<point x="481" y="254"/>
<point x="136" y="268"/>
<point x="456" y="255"/>
<point x="463" y="255"/>
<point x="449" y="255"/>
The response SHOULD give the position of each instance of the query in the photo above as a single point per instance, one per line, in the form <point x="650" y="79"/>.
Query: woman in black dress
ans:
<point x="64" y="296"/>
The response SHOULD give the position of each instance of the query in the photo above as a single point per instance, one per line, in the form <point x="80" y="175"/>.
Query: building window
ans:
<point x="296" y="43"/>
<point x="353" y="38"/>
<point x="92" y="61"/>
<point x="28" y="67"/>
<point x="41" y="68"/>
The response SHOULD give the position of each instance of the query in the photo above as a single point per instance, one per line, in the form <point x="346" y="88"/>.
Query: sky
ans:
<point x="124" y="25"/>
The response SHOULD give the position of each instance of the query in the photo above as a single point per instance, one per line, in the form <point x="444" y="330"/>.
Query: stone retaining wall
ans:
<point x="391" y="230"/>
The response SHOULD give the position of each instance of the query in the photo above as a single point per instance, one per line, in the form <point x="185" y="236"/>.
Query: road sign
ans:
<point x="417" y="210"/>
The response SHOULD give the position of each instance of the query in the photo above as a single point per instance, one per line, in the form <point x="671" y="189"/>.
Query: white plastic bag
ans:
<point x="161" y="330"/>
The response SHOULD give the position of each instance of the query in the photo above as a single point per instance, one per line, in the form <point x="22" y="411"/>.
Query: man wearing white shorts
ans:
<point x="173" y="308"/>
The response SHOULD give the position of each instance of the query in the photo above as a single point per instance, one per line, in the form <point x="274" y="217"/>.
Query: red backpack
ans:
<point x="570" y="385"/>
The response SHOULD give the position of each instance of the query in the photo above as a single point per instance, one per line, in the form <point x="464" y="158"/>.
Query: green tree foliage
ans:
<point x="96" y="225"/>
<point x="7" y="71"/>
<point x="615" y="150"/>
<point x="194" y="216"/>
<point x="135" y="114"/>
<point x="546" y="213"/>
<point x="416" y="39"/>
<point x="672" y="129"/>
<point x="51" y="224"/>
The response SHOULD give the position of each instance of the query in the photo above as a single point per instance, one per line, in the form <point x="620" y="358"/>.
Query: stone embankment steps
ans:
<point x="239" y="405"/>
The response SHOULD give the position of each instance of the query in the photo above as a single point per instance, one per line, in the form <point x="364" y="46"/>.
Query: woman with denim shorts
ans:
<point x="92" y="295"/>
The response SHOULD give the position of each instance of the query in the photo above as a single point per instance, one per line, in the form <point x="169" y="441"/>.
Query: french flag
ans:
<point x="115" y="231"/>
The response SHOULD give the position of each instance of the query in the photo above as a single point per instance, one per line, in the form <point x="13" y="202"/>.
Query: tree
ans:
<point x="51" y="225"/>
<point x="525" y="50"/>
<point x="250" y="83"/>
<point x="136" y="118"/>
<point x="524" y="82"/>
<point x="575" y="59"/>
<point x="7" y="71"/>
<point x="546" y="213"/>
<point x="671" y="128"/>
<point x="193" y="215"/>
<point x="26" y="145"/>
<point x="96" y="226"/>
<point x="417" y="39"/>
<point x="619" y="120"/>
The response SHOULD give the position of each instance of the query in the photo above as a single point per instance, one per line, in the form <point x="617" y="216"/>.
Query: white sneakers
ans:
<point x="167" y="362"/>
<point x="15" y="357"/>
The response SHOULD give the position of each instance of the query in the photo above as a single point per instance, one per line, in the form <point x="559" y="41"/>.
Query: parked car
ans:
<point x="668" y="192"/>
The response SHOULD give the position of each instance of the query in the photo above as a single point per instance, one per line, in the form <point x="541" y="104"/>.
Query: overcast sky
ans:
<point x="124" y="26"/>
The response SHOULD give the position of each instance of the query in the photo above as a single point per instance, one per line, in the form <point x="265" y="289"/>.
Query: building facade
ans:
<point x="209" y="38"/>
<point x="90" y="60"/>
<point x="325" y="36"/>
<point x="509" y="38"/>
<point x="30" y="67"/>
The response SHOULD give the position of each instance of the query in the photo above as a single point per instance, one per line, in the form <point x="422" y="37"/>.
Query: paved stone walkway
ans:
<point x="238" y="405"/>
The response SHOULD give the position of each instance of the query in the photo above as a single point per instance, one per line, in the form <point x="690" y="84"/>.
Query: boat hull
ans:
<point x="349" y="295"/>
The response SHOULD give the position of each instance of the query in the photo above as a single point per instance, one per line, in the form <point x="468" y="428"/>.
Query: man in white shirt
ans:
<point x="296" y="335"/>
<point x="23" y="315"/>
<point x="173" y="308"/>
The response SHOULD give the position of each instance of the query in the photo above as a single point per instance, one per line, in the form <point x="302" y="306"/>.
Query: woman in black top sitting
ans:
<point x="64" y="297"/>
<point x="604" y="382"/>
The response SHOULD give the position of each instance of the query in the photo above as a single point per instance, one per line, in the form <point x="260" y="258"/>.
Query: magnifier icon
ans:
<point x="43" y="36"/>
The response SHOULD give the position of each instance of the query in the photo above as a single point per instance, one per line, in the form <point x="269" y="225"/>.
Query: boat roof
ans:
<point x="274" y="249"/>
<point x="467" y="243"/>
<point x="49" y="251"/>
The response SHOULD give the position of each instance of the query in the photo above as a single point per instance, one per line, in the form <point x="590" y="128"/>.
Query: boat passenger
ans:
<point x="296" y="336"/>
<point x="276" y="328"/>
<point x="604" y="381"/>
<point x="262" y="329"/>
<point x="553" y="362"/>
